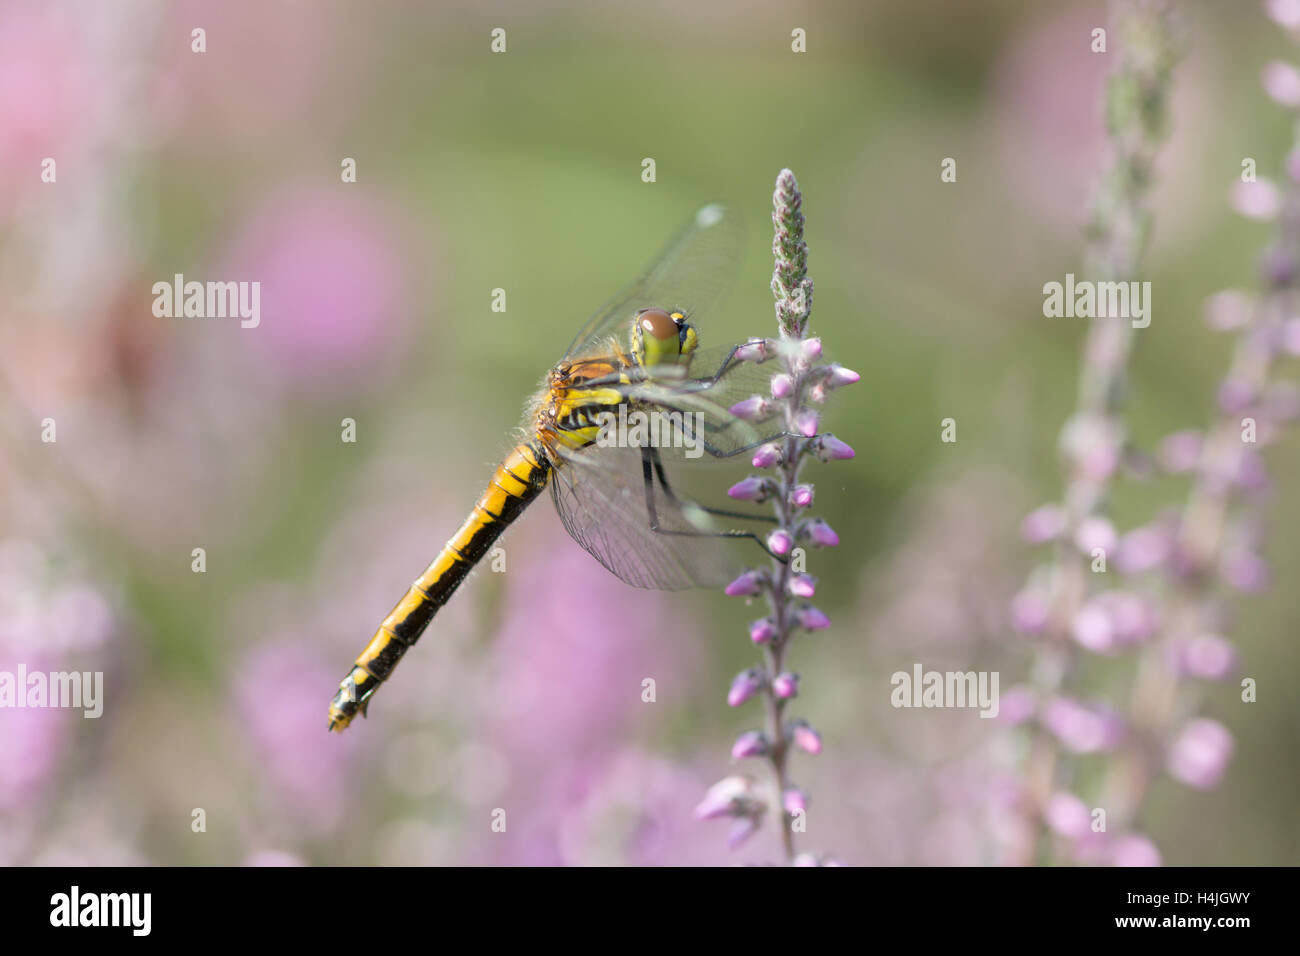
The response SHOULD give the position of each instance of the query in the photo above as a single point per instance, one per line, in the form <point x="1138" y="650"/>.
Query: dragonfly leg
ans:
<point x="728" y="363"/>
<point x="648" y="462"/>
<point x="720" y="453"/>
<point x="720" y="512"/>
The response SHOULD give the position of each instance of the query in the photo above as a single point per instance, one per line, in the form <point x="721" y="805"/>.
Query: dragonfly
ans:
<point x="590" y="434"/>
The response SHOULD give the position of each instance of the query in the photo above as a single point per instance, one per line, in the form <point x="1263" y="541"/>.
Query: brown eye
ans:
<point x="658" y="323"/>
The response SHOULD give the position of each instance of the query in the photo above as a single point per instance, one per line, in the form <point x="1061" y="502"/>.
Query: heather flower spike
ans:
<point x="1158" y="608"/>
<point x="799" y="381"/>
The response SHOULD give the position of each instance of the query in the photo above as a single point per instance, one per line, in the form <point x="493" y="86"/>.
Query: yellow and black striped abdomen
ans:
<point x="515" y="483"/>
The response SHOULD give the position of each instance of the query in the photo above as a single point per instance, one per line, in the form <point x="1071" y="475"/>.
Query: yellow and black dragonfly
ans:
<point x="633" y="400"/>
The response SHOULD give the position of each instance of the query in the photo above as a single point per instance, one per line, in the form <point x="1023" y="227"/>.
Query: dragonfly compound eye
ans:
<point x="658" y="323"/>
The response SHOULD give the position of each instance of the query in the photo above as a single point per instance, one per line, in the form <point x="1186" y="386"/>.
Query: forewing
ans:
<point x="692" y="274"/>
<point x="600" y="495"/>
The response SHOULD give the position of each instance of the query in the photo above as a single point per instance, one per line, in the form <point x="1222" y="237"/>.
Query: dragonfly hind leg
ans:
<point x="652" y="470"/>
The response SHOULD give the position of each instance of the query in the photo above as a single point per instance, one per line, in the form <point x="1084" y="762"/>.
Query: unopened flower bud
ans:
<point x="752" y="743"/>
<point x="745" y="685"/>
<point x="748" y="584"/>
<point x="754" y="488"/>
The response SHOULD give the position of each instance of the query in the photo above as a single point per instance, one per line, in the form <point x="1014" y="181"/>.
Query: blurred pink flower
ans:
<point x="1083" y="728"/>
<point x="1133" y="849"/>
<point x="1200" y="754"/>
<point x="278" y="688"/>
<point x="267" y="70"/>
<point x="333" y="283"/>
<point x="637" y="812"/>
<point x="32" y="742"/>
<point x="568" y="693"/>
<point x="48" y="90"/>
<point x="272" y="858"/>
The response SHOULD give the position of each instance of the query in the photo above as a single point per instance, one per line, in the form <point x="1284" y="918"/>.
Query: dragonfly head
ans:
<point x="662" y="338"/>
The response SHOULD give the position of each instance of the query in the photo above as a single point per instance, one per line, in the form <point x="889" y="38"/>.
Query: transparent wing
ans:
<point x="691" y="275"/>
<point x="704" y="395"/>
<point x="600" y="493"/>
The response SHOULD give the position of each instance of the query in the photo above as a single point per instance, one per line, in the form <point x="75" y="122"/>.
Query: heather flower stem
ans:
<point x="1093" y="439"/>
<point x="793" y="292"/>
<point x="779" y="600"/>
<point x="1159" y="700"/>
<point x="795" y="389"/>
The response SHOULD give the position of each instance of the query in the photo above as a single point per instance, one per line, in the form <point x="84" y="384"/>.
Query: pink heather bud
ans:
<point x="1208" y="657"/>
<point x="1285" y="13"/>
<point x="1228" y="310"/>
<point x="806" y="739"/>
<point x="1133" y="849"/>
<point x="822" y="534"/>
<point x="1091" y="628"/>
<point x="762" y="631"/>
<point x="1143" y="549"/>
<point x="1134" y="617"/>
<point x="1235" y="396"/>
<point x="1180" y="452"/>
<point x="1114" y="620"/>
<point x="839" y="375"/>
<point x="785" y="685"/>
<point x="755" y="350"/>
<point x="741" y="830"/>
<point x="1080" y="728"/>
<point x="1017" y="705"/>
<point x="830" y="448"/>
<point x="803" y="585"/>
<point x="767" y="456"/>
<point x="1251" y="474"/>
<point x="747" y="585"/>
<point x="817" y="393"/>
<point x="1043" y="524"/>
<point x="1245" y="571"/>
<point x="812" y="619"/>
<point x="1291" y="334"/>
<point x="1067" y="815"/>
<point x="745" y="685"/>
<point x="782" y="386"/>
<point x="1092" y="444"/>
<point x="1281" y="81"/>
<point x="752" y="409"/>
<point x="812" y="349"/>
<point x="1201" y="753"/>
<point x="1258" y="200"/>
<point x="754" y="488"/>
<point x="1030" y="612"/>
<point x="794" y="801"/>
<point x="724" y="798"/>
<point x="752" y="743"/>
<point x="805" y="423"/>
<point x="802" y="496"/>
<point x="780" y="542"/>
<point x="1093" y="533"/>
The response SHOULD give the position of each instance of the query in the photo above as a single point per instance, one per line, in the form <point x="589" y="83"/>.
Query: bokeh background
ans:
<point x="523" y="171"/>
